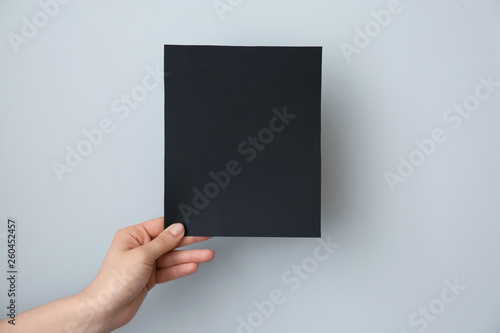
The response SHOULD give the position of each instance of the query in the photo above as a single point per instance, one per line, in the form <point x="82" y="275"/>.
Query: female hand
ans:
<point x="140" y="256"/>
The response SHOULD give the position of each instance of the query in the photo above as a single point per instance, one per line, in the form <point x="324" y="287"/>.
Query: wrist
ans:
<point x="95" y="311"/>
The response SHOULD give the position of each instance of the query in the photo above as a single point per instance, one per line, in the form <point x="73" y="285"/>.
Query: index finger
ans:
<point x="155" y="226"/>
<point x="188" y="240"/>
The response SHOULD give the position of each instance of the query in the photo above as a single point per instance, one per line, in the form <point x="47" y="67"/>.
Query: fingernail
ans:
<point x="176" y="229"/>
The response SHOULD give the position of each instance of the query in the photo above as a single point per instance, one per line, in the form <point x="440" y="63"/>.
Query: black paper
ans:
<point x="242" y="127"/>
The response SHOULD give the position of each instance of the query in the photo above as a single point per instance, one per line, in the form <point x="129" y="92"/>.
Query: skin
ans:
<point x="140" y="257"/>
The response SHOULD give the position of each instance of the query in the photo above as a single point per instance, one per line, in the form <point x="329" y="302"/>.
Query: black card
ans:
<point x="242" y="140"/>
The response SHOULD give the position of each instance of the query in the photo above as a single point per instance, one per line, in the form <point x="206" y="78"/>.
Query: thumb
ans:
<point x="165" y="241"/>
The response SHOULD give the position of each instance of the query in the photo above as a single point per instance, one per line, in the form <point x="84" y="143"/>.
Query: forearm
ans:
<point x="140" y="257"/>
<point x="78" y="313"/>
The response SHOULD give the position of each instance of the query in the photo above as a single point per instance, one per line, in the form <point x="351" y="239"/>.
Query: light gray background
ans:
<point x="396" y="248"/>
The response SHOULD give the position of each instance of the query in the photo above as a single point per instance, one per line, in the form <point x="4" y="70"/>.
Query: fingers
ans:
<point x="154" y="227"/>
<point x="191" y="240"/>
<point x="177" y="257"/>
<point x="175" y="272"/>
<point x="165" y="241"/>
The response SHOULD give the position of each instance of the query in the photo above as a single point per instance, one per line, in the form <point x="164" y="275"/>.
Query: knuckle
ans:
<point x="165" y="239"/>
<point x="120" y="233"/>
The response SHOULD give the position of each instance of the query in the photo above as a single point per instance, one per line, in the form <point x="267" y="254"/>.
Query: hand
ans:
<point x="140" y="256"/>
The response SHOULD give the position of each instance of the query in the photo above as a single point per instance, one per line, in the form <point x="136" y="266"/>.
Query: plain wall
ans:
<point x="398" y="250"/>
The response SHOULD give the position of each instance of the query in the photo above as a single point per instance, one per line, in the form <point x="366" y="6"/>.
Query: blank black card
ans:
<point x="242" y="140"/>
